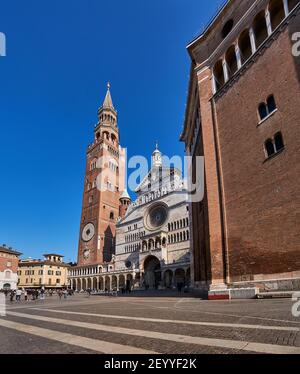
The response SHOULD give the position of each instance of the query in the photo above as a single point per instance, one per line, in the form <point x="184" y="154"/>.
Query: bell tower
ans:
<point x="101" y="196"/>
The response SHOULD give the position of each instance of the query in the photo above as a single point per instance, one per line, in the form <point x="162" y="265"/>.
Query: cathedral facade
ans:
<point x="153" y="237"/>
<point x="125" y="244"/>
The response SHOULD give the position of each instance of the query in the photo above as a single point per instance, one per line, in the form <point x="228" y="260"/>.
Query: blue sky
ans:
<point x="60" y="55"/>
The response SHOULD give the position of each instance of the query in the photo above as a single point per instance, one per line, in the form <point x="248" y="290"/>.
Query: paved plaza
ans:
<point x="149" y="325"/>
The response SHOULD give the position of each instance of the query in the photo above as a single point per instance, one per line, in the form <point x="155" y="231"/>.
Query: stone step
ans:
<point x="275" y="295"/>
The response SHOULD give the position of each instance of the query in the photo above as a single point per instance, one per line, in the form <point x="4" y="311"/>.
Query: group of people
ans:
<point x="35" y="294"/>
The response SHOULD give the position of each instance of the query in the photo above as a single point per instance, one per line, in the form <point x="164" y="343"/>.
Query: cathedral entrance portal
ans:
<point x="152" y="272"/>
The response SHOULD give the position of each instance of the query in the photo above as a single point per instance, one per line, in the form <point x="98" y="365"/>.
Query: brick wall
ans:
<point x="261" y="197"/>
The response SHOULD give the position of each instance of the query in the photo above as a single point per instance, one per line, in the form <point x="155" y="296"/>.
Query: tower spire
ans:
<point x="108" y="103"/>
<point x="107" y="114"/>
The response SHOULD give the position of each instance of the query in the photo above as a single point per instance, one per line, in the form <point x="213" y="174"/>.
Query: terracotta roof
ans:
<point x="10" y="251"/>
<point x="39" y="262"/>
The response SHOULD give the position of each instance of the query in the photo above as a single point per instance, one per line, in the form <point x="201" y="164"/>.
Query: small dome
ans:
<point x="156" y="149"/>
<point x="125" y="195"/>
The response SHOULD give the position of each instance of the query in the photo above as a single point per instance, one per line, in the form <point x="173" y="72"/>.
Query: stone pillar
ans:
<point x="252" y="40"/>
<point x="225" y="70"/>
<point x="268" y="21"/>
<point x="286" y="7"/>
<point x="238" y="56"/>
<point x="117" y="282"/>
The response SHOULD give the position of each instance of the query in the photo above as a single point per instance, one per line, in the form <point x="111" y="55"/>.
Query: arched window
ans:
<point x="277" y="14"/>
<point x="263" y="111"/>
<point x="260" y="28"/>
<point x="111" y="216"/>
<point x="187" y="235"/>
<point x="7" y="274"/>
<point x="269" y="146"/>
<point x="93" y="164"/>
<point x="227" y="28"/>
<point x="245" y="46"/>
<point x="113" y="138"/>
<point x="231" y="61"/>
<point x="184" y="236"/>
<point x="279" y="143"/>
<point x="292" y="4"/>
<point x="219" y="75"/>
<point x="271" y="104"/>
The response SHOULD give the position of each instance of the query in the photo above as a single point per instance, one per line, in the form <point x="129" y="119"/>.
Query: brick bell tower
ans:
<point x="101" y="197"/>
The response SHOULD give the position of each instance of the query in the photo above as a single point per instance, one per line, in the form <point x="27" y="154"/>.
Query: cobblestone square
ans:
<point x="149" y="325"/>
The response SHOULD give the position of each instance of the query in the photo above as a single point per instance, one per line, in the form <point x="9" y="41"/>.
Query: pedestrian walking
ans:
<point x="18" y="295"/>
<point x="11" y="296"/>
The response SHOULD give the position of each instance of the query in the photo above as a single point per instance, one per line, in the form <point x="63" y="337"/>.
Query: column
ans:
<point x="214" y="88"/>
<point x="252" y="40"/>
<point x="117" y="282"/>
<point x="110" y="283"/>
<point x="225" y="70"/>
<point x="268" y="21"/>
<point x="286" y="7"/>
<point x="238" y="55"/>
